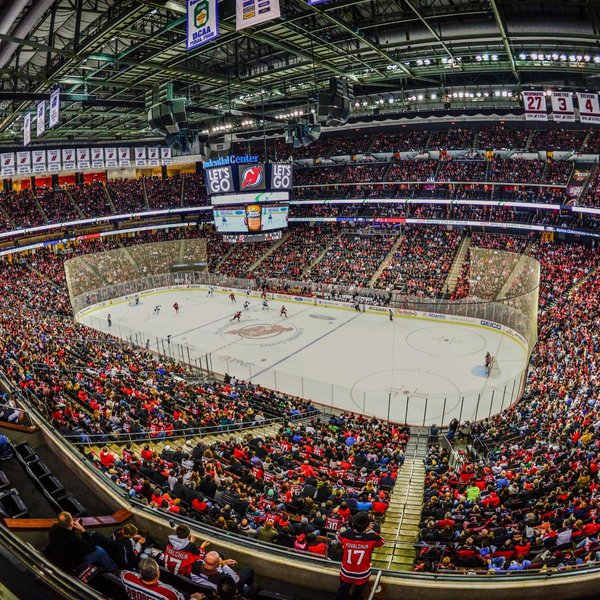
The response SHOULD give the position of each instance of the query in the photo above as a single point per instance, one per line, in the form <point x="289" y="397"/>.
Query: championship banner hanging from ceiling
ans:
<point x="97" y="158"/>
<point x="313" y="2"/>
<point x="252" y="12"/>
<point x="165" y="156"/>
<point x="110" y="157"/>
<point x="140" y="157"/>
<point x="68" y="159"/>
<point x="53" y="161"/>
<point x="26" y="129"/>
<point x="83" y="158"/>
<point x="54" y="108"/>
<point x="589" y="109"/>
<point x="202" y="22"/>
<point x="535" y="106"/>
<point x="8" y="164"/>
<point x="562" y="106"/>
<point x="38" y="160"/>
<point x="124" y="157"/>
<point x="41" y="118"/>
<point x="153" y="157"/>
<point x="23" y="163"/>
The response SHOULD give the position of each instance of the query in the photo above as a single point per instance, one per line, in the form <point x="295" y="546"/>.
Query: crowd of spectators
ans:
<point x="91" y="199"/>
<point x="352" y="259"/>
<point x="462" y="170"/>
<point x="21" y="208"/>
<point x="194" y="191"/>
<point x="57" y="205"/>
<point x="501" y="137"/>
<point x="591" y="197"/>
<point x="515" y="170"/>
<point x="529" y="500"/>
<point x="451" y="139"/>
<point x="421" y="263"/>
<point x="557" y="172"/>
<point x="557" y="139"/>
<point x="163" y="193"/>
<point x="127" y="195"/>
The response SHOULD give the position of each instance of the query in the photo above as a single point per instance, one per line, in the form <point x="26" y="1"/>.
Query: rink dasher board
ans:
<point x="338" y="304"/>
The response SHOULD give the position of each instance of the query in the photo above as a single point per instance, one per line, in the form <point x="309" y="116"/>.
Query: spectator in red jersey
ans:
<point x="181" y="551"/>
<point x="145" y="584"/>
<point x="358" y="544"/>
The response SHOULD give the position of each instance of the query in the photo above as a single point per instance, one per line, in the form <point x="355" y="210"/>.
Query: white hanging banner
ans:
<point x="26" y="129"/>
<point x="589" y="109"/>
<point x="54" y="108"/>
<point x="140" y="157"/>
<point x="83" y="158"/>
<point x="23" y="163"/>
<point x="53" y="161"/>
<point x="153" y="157"/>
<point x="8" y="164"/>
<point x="38" y="160"/>
<point x="41" y="118"/>
<point x="535" y="106"/>
<point x="110" y="157"/>
<point x="202" y="22"/>
<point x="562" y="106"/>
<point x="124" y="157"/>
<point x="165" y="156"/>
<point x="97" y="158"/>
<point x="252" y="12"/>
<point x="68" y="160"/>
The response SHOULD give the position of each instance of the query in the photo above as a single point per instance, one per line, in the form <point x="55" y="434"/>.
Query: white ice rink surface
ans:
<point x="412" y="369"/>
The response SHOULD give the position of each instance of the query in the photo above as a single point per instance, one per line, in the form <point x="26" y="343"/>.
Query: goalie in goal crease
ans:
<point x="489" y="362"/>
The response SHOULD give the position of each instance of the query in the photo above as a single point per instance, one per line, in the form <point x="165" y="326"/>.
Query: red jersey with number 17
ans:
<point x="358" y="547"/>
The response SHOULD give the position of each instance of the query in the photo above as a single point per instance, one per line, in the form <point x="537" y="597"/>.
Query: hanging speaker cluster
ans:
<point x="303" y="134"/>
<point x="166" y="113"/>
<point x="335" y="107"/>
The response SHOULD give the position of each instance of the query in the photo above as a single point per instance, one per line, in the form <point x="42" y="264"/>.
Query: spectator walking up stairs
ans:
<point x="457" y="266"/>
<point x="385" y="261"/>
<point x="401" y="524"/>
<point x="273" y="248"/>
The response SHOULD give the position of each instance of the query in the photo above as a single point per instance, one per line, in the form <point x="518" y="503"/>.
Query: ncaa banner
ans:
<point x="110" y="157"/>
<point x="589" y="109"/>
<point x="68" y="160"/>
<point x="83" y="158"/>
<point x="41" y="118"/>
<point x="53" y="161"/>
<point x="97" y="158"/>
<point x="165" y="156"/>
<point x="124" y="159"/>
<point x="38" y="161"/>
<point x="252" y="12"/>
<point x="23" y="163"/>
<point x="313" y="2"/>
<point x="8" y="164"/>
<point x="562" y="106"/>
<point x="54" y="108"/>
<point x="26" y="129"/>
<point x="153" y="160"/>
<point x="202" y="22"/>
<point x="140" y="157"/>
<point x="535" y="106"/>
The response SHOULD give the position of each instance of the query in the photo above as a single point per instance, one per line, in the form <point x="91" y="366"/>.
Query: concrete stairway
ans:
<point x="106" y="192"/>
<point x="457" y="265"/>
<point x="385" y="261"/>
<point x="270" y="251"/>
<point x="145" y="192"/>
<point x="74" y="204"/>
<point x="402" y="518"/>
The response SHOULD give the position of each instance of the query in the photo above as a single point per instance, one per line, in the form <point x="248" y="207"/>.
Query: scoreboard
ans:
<point x="248" y="178"/>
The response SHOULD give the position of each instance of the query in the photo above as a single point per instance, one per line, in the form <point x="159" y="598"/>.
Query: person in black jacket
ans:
<point x="70" y="545"/>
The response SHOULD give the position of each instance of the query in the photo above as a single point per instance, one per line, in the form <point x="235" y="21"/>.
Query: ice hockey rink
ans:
<point x="413" y="369"/>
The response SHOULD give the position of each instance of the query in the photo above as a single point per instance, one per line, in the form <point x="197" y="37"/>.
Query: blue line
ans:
<point x="305" y="347"/>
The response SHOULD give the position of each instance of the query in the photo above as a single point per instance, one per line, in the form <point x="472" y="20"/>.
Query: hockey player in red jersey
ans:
<point x="358" y="543"/>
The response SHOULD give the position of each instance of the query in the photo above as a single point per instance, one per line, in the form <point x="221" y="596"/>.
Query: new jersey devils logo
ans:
<point x="252" y="176"/>
<point x="260" y="331"/>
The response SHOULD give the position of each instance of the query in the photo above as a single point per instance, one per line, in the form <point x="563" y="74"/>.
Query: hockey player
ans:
<point x="211" y="290"/>
<point x="232" y="297"/>
<point x="157" y="309"/>
<point x="246" y="305"/>
<point x="236" y="316"/>
<point x="391" y="313"/>
<point x="283" y="311"/>
<point x="176" y="307"/>
<point x="265" y="304"/>
<point x="109" y="320"/>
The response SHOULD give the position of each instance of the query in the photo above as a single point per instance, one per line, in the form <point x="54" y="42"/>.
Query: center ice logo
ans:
<point x="260" y="331"/>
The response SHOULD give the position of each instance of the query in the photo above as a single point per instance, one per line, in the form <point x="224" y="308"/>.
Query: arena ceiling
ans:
<point x="105" y="54"/>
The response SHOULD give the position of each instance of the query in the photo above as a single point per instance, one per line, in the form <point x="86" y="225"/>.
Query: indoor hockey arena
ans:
<point x="300" y="300"/>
